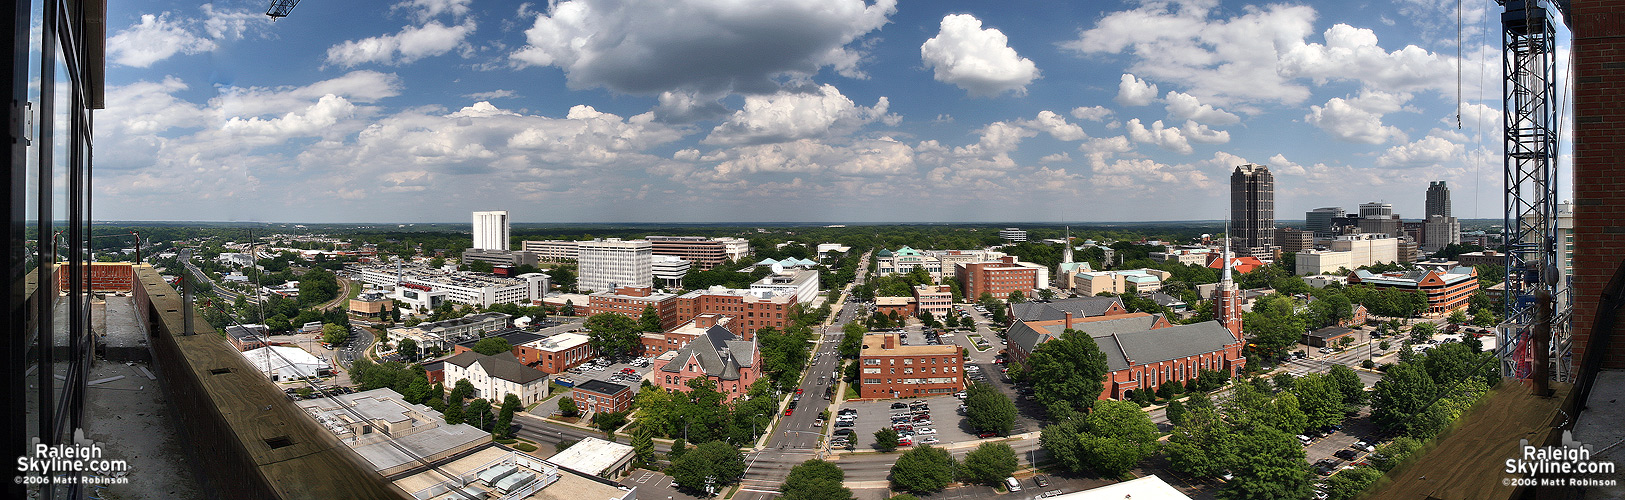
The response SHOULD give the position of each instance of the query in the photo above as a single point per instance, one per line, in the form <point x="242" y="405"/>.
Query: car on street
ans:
<point x="925" y="430"/>
<point x="788" y="411"/>
<point x="905" y="441"/>
<point x="929" y="440"/>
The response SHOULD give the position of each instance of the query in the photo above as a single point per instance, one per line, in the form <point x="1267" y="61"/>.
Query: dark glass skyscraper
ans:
<point x="1438" y="200"/>
<point x="1252" y="207"/>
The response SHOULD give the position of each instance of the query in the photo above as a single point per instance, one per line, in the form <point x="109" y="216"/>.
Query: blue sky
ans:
<point x="790" y="110"/>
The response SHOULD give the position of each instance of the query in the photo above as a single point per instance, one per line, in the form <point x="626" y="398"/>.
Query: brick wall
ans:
<point x="1599" y="164"/>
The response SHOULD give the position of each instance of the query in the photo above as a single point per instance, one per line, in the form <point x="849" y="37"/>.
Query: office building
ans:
<point x="1439" y="231"/>
<point x="1293" y="240"/>
<point x="1252" y="207"/>
<point x="934" y="299"/>
<point x="597" y="396"/>
<point x="801" y="283"/>
<point x="1319" y="221"/>
<point x="1311" y="262"/>
<point x="1446" y="290"/>
<point x="889" y="369"/>
<point x="1183" y="256"/>
<point x="705" y="253"/>
<point x="596" y="456"/>
<point x="553" y="250"/>
<point x="752" y="310"/>
<point x="735" y="248"/>
<point x="658" y="343"/>
<point x="1376" y="209"/>
<point x="605" y="264"/>
<point x="669" y="271"/>
<point x="1013" y="234"/>
<point x="491" y="230"/>
<point x="630" y="301"/>
<point x="446" y="333"/>
<point x="1438" y="201"/>
<point x="422" y="288"/>
<point x="1366" y="249"/>
<point x="496" y="376"/>
<point x="500" y="258"/>
<point x="999" y="278"/>
<point x="1117" y="282"/>
<point x="718" y="355"/>
<point x="554" y="354"/>
<point x="1388" y="225"/>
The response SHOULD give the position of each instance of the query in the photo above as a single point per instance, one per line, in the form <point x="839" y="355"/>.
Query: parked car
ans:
<point x="1364" y="446"/>
<point x="899" y="405"/>
<point x="1041" y="481"/>
<point x="788" y="411"/>
<point x="1346" y="454"/>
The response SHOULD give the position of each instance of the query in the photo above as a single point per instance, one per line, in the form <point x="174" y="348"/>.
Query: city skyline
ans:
<point x="425" y="110"/>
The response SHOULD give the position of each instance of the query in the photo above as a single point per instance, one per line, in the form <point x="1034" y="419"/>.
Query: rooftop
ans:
<point x="602" y="387"/>
<point x="557" y="342"/>
<point x="591" y="456"/>
<point x="874" y="345"/>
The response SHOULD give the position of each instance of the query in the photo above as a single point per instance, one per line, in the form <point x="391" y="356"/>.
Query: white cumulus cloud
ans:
<point x="1359" y="119"/>
<point x="1182" y="106"/>
<point x="976" y="59"/>
<point x="1091" y="113"/>
<point x="410" y="44"/>
<point x="791" y="115"/>
<point x="1169" y="138"/>
<point x="156" y="38"/>
<point x="1133" y="91"/>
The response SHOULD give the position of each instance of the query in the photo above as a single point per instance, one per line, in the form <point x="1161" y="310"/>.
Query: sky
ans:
<point x="792" y="110"/>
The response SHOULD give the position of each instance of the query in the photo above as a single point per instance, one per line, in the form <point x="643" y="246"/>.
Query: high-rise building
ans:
<point x="1293" y="240"/>
<point x="1438" y="200"/>
<point x="703" y="252"/>
<point x="1439" y="230"/>
<point x="1319" y="221"/>
<point x="1252" y="206"/>
<point x="1013" y="234"/>
<point x="1378" y="217"/>
<point x="1376" y="210"/>
<point x="491" y="230"/>
<point x="609" y="263"/>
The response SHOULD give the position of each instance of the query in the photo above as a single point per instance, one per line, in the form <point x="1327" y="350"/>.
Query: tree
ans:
<point x="454" y="410"/>
<point x="1068" y="373"/>
<point x="643" y="446"/>
<point x="480" y="266"/>
<point x="678" y="448"/>
<point x="1348" y="484"/>
<point x="1284" y="381"/>
<point x="1203" y="445"/>
<point x="1016" y="297"/>
<point x="1423" y="331"/>
<point x="491" y="346"/>
<point x="990" y="463"/>
<point x="609" y="421"/>
<point x="989" y="410"/>
<point x="1175" y="412"/>
<point x="649" y="321"/>
<point x="886" y="440"/>
<point x="613" y="335"/>
<point x="1169" y="389"/>
<point x="408" y="348"/>
<point x="923" y="469"/>
<point x="1348" y="384"/>
<point x="1269" y="464"/>
<point x="510" y="405"/>
<point x="1046" y="294"/>
<point x="1457" y="317"/>
<point x="1319" y="399"/>
<point x="317" y="286"/>
<point x="1400" y="397"/>
<point x="708" y="467"/>
<point x="815" y="480"/>
<point x="335" y="334"/>
<point x="478" y="413"/>
<point x="567" y="407"/>
<point x="1110" y="440"/>
<point x="1394" y="453"/>
<point x="436" y="262"/>
<point x="657" y="410"/>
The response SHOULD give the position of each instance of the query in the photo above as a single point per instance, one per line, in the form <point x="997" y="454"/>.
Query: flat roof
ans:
<point x="592" y="456"/>
<point x="558" y="342"/>
<point x="602" y="387"/>
<point x="872" y="346"/>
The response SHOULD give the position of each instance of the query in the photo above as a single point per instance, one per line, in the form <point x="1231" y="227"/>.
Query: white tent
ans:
<point x="286" y="363"/>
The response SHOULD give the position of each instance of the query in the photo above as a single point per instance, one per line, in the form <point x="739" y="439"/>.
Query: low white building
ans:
<point x="287" y="363"/>
<point x="496" y="376"/>
<point x="596" y="457"/>
<point x="802" y="283"/>
<point x="669" y="271"/>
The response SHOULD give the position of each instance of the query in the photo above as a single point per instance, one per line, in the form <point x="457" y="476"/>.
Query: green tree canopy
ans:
<point x="1269" y="464"/>
<point x="1109" y="440"/>
<point x="1068" y="373"/>
<point x="613" y="335"/>
<point x="1203" y="445"/>
<point x="989" y="410"/>
<point x="990" y="463"/>
<point x="649" y="320"/>
<point x="491" y="346"/>
<point x="1319" y="399"/>
<point x="815" y="480"/>
<point x="708" y="467"/>
<point x="1401" y="396"/>
<point x="886" y="439"/>
<point x="567" y="407"/>
<point x="924" y="469"/>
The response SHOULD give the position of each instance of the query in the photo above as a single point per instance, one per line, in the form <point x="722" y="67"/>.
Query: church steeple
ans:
<point x="1227" y="300"/>
<point x="1066" y="250"/>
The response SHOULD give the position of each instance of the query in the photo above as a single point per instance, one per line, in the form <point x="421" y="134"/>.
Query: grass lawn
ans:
<point x="355" y="288"/>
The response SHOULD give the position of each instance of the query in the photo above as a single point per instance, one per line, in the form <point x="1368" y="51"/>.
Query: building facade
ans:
<point x="934" y="299"/>
<point x="1439" y="231"/>
<point x="598" y="396"/>
<point x="496" y="376"/>
<point x="1293" y="240"/>
<point x="500" y="258"/>
<point x="657" y="343"/>
<point x="888" y="369"/>
<point x="446" y="333"/>
<point x="630" y="301"/>
<point x="801" y="283"/>
<point x="491" y="230"/>
<point x="1438" y="201"/>
<point x="705" y="253"/>
<point x="719" y="356"/>
<point x="1252" y="206"/>
<point x="1319" y="221"/>
<point x="669" y="271"/>
<point x="1013" y="234"/>
<point x="1446" y="290"/>
<point x="998" y="278"/>
<point x="553" y="250"/>
<point x="606" y="264"/>
<point x="555" y="354"/>
<point x="752" y="310"/>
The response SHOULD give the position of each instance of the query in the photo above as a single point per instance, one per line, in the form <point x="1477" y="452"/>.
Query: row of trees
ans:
<point x="925" y="468"/>
<point x="702" y="414"/>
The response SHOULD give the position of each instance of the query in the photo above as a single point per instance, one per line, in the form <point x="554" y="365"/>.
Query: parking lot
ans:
<point x="1354" y="430"/>
<point x="875" y="415"/>
<point x="609" y="372"/>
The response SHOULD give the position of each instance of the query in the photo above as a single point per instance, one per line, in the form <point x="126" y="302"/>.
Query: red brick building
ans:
<point x="630" y="301"/>
<point x="104" y="276"/>
<point x="1446" y="291"/>
<point x="555" y="354"/>
<point x="1025" y="336"/>
<point x="998" y="278"/>
<point x="655" y="344"/>
<point x="903" y="306"/>
<point x="751" y="311"/>
<point x="889" y="369"/>
<point x="1599" y="158"/>
<point x="705" y="253"/>
<point x="598" y="396"/>
<point x="732" y="364"/>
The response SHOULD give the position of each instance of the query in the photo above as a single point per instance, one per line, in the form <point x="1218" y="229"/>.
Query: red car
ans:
<point x="798" y="391"/>
<point x="986" y="435"/>
<point x="629" y="371"/>
<point x="788" y="411"/>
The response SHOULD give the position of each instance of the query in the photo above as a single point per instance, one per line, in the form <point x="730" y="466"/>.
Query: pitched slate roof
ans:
<point x="1165" y="300"/>
<point x="1163" y="344"/>
<point x="501" y="366"/>
<point x="1028" y="336"/>
<point x="1081" y="307"/>
<point x="719" y="352"/>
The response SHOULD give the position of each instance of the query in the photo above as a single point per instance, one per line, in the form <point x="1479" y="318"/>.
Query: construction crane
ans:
<point x="1535" y="313"/>
<point x="281" y="8"/>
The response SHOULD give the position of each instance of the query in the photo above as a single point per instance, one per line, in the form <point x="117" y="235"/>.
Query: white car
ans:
<point x="924" y="430"/>
<point x="929" y="440"/>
